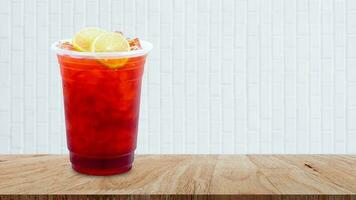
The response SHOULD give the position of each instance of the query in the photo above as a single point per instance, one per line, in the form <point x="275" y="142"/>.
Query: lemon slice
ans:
<point x="83" y="39"/>
<point x="111" y="42"/>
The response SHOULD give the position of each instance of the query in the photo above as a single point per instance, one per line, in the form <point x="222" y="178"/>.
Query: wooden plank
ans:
<point x="185" y="176"/>
<point x="179" y="197"/>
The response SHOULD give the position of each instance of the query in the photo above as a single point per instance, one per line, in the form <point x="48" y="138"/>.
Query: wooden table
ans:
<point x="184" y="177"/>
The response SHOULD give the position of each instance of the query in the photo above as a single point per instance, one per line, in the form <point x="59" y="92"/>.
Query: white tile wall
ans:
<point x="225" y="76"/>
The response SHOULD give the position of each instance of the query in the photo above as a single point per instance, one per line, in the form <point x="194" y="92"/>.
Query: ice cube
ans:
<point x="66" y="45"/>
<point x="134" y="44"/>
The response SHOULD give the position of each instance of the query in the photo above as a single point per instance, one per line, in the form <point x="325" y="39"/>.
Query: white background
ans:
<point x="225" y="76"/>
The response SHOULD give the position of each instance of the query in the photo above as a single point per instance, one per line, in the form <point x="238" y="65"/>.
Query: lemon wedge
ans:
<point x="111" y="42"/>
<point x="83" y="40"/>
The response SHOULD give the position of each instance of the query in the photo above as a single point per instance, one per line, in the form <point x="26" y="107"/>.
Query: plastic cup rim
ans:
<point x="146" y="48"/>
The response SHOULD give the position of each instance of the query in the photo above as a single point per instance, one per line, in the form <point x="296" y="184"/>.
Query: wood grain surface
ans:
<point x="184" y="177"/>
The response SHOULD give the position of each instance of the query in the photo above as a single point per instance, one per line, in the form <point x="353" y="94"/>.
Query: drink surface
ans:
<point x="101" y="106"/>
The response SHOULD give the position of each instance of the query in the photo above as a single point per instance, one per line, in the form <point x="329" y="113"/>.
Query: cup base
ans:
<point x="101" y="166"/>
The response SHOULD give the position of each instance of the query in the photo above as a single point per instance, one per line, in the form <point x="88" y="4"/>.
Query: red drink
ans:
<point x="102" y="111"/>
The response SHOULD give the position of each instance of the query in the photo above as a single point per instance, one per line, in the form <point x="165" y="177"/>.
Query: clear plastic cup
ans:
<point x="101" y="107"/>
